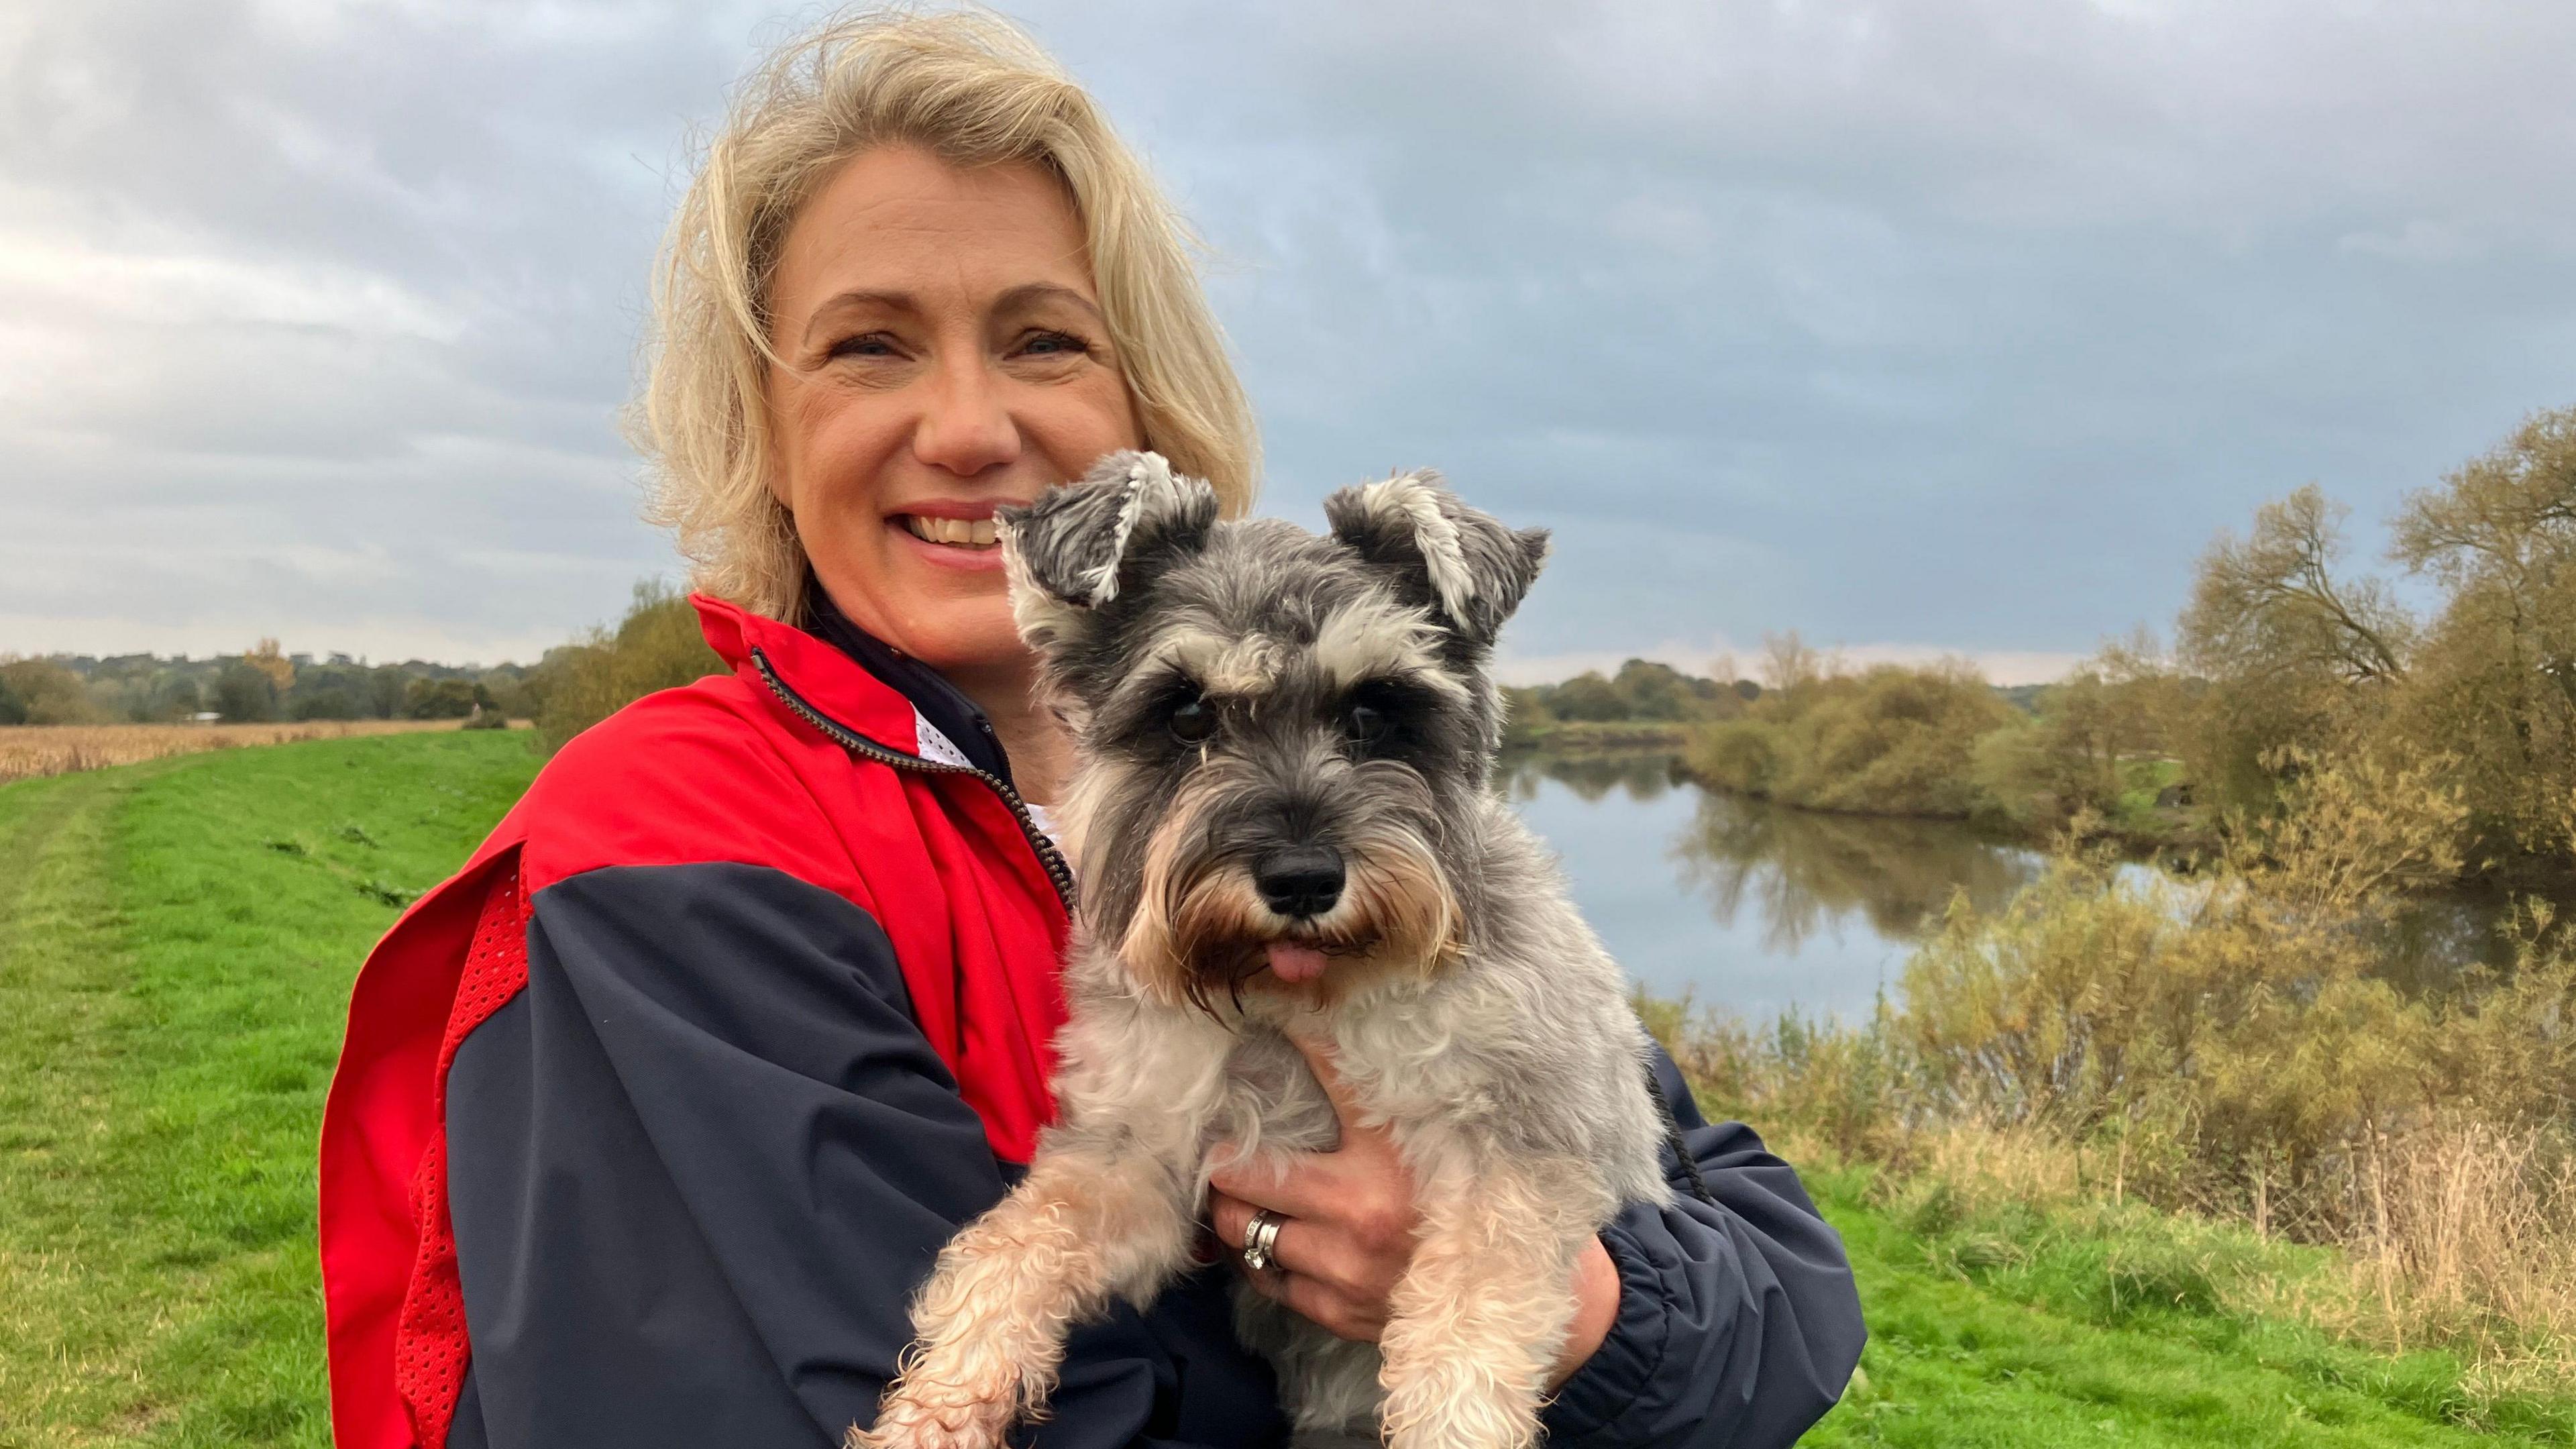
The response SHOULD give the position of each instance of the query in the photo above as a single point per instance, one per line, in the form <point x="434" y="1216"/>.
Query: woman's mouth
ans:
<point x="967" y="533"/>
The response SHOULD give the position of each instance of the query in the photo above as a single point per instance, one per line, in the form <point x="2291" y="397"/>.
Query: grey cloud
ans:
<point x="1957" y="325"/>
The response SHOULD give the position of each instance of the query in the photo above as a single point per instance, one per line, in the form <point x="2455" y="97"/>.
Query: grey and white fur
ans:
<point x="1283" y="821"/>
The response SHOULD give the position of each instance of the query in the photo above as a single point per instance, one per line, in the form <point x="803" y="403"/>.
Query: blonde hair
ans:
<point x="973" y="90"/>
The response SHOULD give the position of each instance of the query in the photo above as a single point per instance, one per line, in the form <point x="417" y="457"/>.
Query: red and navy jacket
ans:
<point x="651" y="1119"/>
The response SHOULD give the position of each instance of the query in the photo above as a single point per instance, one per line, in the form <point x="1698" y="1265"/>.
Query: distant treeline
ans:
<point x="656" y="646"/>
<point x="258" y="685"/>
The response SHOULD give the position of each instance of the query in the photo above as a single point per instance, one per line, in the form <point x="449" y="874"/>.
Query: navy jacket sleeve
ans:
<point x="1738" y="1322"/>
<point x="698" y="1165"/>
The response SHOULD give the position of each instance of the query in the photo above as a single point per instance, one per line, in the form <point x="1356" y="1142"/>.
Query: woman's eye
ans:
<point x="1052" y="344"/>
<point x="871" y="344"/>
<point x="1193" y="721"/>
<point x="1365" y="724"/>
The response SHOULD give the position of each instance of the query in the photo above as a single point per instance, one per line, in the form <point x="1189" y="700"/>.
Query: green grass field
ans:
<point x="176" y="944"/>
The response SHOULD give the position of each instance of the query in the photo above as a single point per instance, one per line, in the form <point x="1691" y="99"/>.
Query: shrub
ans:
<point x="1889" y="741"/>
<point x="1735" y="755"/>
<point x="48" y="693"/>
<point x="656" y="646"/>
<point x="441" y="699"/>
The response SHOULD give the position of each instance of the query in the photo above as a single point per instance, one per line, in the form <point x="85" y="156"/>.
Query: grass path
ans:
<point x="176" y="944"/>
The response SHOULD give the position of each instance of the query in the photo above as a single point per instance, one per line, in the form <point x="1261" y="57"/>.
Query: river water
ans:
<point x="1756" y="909"/>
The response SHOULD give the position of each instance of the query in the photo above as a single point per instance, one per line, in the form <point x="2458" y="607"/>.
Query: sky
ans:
<point x="1921" y="327"/>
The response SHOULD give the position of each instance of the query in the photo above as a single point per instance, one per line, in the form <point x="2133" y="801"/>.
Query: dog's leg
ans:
<point x="1479" y="1319"/>
<point x="1086" y="1223"/>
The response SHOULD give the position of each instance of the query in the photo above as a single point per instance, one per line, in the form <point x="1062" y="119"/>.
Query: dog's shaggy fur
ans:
<point x="1245" y="693"/>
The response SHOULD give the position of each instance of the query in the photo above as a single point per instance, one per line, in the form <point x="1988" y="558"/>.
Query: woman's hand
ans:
<point x="1349" y="1227"/>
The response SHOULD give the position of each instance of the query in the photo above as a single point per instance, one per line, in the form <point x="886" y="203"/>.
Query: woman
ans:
<point x="650" y="1120"/>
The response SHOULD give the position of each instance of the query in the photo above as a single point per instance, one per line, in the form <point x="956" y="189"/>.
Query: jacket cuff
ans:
<point x="1612" y="1384"/>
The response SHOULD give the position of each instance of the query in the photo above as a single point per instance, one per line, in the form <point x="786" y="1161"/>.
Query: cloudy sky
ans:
<point x="1919" y="326"/>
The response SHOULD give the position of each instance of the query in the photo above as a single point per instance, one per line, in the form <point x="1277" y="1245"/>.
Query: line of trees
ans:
<point x="655" y="646"/>
<point x="261" y="683"/>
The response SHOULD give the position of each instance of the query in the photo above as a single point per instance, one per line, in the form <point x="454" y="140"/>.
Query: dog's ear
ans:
<point x="1461" y="561"/>
<point x="1078" y="547"/>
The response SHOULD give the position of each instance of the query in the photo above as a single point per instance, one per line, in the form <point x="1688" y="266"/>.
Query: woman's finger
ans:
<point x="1309" y="1249"/>
<point x="1231" y="1217"/>
<point x="1294" y="1248"/>
<point x="1321" y="1304"/>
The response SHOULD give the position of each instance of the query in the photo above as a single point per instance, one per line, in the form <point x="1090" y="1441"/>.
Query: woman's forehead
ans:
<point x="896" y="227"/>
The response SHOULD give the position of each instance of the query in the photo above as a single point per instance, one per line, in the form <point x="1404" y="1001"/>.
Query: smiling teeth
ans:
<point x="961" y="532"/>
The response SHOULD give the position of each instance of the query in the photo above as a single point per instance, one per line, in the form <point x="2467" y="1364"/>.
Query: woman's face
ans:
<point x="945" y="355"/>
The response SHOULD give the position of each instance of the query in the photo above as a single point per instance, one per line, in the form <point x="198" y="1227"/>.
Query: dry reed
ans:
<point x="31" y="751"/>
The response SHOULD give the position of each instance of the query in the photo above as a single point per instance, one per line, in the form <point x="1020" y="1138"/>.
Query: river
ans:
<point x="1756" y="909"/>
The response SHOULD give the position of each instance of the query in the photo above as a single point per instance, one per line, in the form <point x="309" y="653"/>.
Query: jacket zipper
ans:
<point x="1058" y="871"/>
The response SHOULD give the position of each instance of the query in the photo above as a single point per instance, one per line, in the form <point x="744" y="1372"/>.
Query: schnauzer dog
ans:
<point x="1283" y="821"/>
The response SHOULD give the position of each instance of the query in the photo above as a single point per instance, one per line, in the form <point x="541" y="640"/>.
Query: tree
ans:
<point x="1655" y="691"/>
<point x="266" y="658"/>
<point x="2294" y="653"/>
<point x="2497" y="686"/>
<point x="2272" y="602"/>
<point x="13" y="710"/>
<point x="658" y="645"/>
<point x="245" y="693"/>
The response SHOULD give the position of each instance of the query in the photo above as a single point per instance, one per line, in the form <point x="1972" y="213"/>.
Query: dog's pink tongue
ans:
<point x="1292" y="962"/>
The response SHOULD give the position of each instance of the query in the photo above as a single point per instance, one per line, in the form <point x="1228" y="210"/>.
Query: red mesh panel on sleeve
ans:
<point x="430" y="1350"/>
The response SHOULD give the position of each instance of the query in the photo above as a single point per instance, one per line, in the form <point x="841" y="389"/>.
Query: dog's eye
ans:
<point x="1365" y="724"/>
<point x="1193" y="720"/>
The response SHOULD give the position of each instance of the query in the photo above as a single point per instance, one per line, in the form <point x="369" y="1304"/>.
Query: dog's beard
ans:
<point x="1201" y="929"/>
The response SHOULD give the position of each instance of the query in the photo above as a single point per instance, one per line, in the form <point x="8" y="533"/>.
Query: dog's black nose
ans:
<point x="1302" y="880"/>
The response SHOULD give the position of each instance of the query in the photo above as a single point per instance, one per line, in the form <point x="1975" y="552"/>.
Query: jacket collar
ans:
<point x="858" y="681"/>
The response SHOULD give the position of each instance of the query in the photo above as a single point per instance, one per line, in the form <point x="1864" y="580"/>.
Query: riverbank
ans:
<point x="2143" y="827"/>
<point x="176" y="946"/>
<point x="2234" y="1056"/>
<point x="1598" y="737"/>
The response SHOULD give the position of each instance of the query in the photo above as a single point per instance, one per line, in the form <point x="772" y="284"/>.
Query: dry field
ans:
<point x="30" y="751"/>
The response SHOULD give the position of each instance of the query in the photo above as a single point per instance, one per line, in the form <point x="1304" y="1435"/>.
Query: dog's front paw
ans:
<point x="912" y="1419"/>
<point x="1458" y="1405"/>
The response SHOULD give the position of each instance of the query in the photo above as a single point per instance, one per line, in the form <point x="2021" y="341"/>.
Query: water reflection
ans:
<point x="1761" y="908"/>
<point x="1744" y="904"/>
<point x="1804" y="872"/>
<point x="1590" y="777"/>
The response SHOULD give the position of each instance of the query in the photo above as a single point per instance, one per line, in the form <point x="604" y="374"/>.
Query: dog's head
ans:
<point x="1285" y="738"/>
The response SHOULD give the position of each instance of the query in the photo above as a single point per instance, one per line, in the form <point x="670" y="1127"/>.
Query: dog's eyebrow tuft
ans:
<point x="1378" y="637"/>
<point x="1240" y="666"/>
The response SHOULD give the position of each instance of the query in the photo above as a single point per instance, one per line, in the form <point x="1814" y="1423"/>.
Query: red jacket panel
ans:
<point x="800" y="760"/>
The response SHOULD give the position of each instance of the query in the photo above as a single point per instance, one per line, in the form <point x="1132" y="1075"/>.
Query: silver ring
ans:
<point x="1260" y="1236"/>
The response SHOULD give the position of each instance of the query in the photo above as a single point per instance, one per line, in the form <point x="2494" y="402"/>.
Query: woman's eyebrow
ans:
<point x="1027" y="294"/>
<point x="1031" y="293"/>
<point x="853" y="300"/>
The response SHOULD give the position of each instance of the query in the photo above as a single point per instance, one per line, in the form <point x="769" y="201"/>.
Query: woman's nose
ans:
<point x="964" y="427"/>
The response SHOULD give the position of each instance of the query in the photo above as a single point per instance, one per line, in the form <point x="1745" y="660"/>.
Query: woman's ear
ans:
<point x="1462" y="562"/>
<point x="1080" y="547"/>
